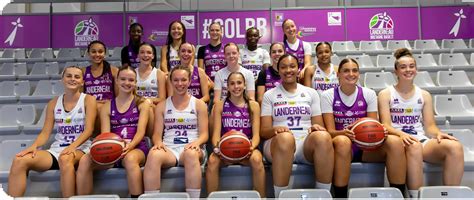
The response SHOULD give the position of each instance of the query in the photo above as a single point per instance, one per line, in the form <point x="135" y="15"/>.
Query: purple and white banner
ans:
<point x="447" y="22"/>
<point x="312" y="25"/>
<point x="30" y="31"/>
<point x="235" y="25"/>
<point x="156" y="25"/>
<point x="382" y="24"/>
<point x="80" y="30"/>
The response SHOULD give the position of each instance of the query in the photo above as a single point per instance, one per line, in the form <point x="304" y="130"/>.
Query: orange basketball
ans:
<point x="369" y="134"/>
<point x="234" y="146"/>
<point x="107" y="148"/>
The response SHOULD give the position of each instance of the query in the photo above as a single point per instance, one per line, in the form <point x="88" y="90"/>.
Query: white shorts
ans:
<point x="178" y="150"/>
<point x="299" y="151"/>
<point x="56" y="151"/>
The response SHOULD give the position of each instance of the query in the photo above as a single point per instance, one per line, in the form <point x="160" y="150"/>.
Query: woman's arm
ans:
<point x="164" y="60"/>
<point x="216" y="134"/>
<point x="255" y="124"/>
<point x="204" y="85"/>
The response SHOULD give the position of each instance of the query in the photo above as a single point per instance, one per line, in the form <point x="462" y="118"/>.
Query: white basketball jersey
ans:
<point x="180" y="126"/>
<point x="70" y="125"/>
<point x="174" y="58"/>
<point x="322" y="81"/>
<point x="147" y="87"/>
<point x="407" y="114"/>
<point x="254" y="60"/>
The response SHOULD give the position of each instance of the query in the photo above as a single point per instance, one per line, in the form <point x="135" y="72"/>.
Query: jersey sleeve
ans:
<point x="327" y="99"/>
<point x="250" y="81"/>
<point x="201" y="52"/>
<point x="124" y="56"/>
<point x="316" y="103"/>
<point x="218" y="81"/>
<point x="371" y="99"/>
<point x="261" y="78"/>
<point x="266" y="57"/>
<point x="307" y="48"/>
<point x="266" y="104"/>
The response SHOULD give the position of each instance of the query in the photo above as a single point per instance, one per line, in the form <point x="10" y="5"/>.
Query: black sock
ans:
<point x="340" y="192"/>
<point x="134" y="196"/>
<point x="401" y="187"/>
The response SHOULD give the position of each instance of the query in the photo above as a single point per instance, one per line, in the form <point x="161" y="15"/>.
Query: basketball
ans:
<point x="107" y="148"/>
<point x="234" y="146"/>
<point x="369" y="134"/>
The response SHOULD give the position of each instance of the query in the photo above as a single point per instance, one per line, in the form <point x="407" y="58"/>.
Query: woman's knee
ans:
<point x="284" y="142"/>
<point x="342" y="145"/>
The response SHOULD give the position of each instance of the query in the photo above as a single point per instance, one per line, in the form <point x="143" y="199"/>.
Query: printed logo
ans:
<point x="85" y="32"/>
<point x="419" y="101"/>
<point x="279" y="18"/>
<point x="124" y="121"/>
<point x="238" y="114"/>
<point x="306" y="31"/>
<point x="188" y="21"/>
<point x="360" y="103"/>
<point x="11" y="38"/>
<point x="334" y="19"/>
<point x="457" y="25"/>
<point x="395" y="101"/>
<point x="132" y="20"/>
<point x="381" y="26"/>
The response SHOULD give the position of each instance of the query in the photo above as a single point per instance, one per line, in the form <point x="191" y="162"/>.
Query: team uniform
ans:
<point x="254" y="60"/>
<point x="129" y="55"/>
<point x="236" y="118"/>
<point x="126" y="124"/>
<point x="268" y="78"/>
<point x="102" y="87"/>
<point x="174" y="59"/>
<point x="348" y="109"/>
<point x="298" y="49"/>
<point x="147" y="87"/>
<point x="407" y="114"/>
<point x="195" y="87"/>
<point x="180" y="127"/>
<point x="292" y="110"/>
<point x="214" y="59"/>
<point x="70" y="125"/>
<point x="322" y="81"/>
<point x="220" y="82"/>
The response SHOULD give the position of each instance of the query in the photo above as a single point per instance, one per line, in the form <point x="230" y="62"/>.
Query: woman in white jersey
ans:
<point x="238" y="113"/>
<point x="151" y="81"/>
<point x="293" y="45"/>
<point x="341" y="107"/>
<point x="74" y="114"/>
<point x="181" y="130"/>
<point x="407" y="112"/>
<point x="269" y="78"/>
<point x="126" y="115"/>
<point x="169" y="51"/>
<point x="323" y="75"/>
<point x="231" y="51"/>
<point x="293" y="126"/>
<point x="254" y="58"/>
<point x="199" y="86"/>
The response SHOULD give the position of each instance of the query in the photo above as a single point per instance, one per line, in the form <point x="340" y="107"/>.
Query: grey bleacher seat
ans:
<point x="31" y="198"/>
<point x="34" y="129"/>
<point x="387" y="62"/>
<point x="96" y="196"/>
<point x="457" y="61"/>
<point x="365" y="63"/>
<point x="116" y="54"/>
<point x="42" y="71"/>
<point x="10" y="91"/>
<point x="374" y="193"/>
<point x="45" y="90"/>
<point x="344" y="48"/>
<point x="446" y="192"/>
<point x="67" y="64"/>
<point x="466" y="137"/>
<point x="378" y="80"/>
<point x="426" y="62"/>
<point x="472" y="59"/>
<point x="429" y="46"/>
<point x="457" y="108"/>
<point x="471" y="43"/>
<point x="424" y="81"/>
<point x="40" y="55"/>
<point x="168" y="195"/>
<point x="10" y="71"/>
<point x="234" y="194"/>
<point x="83" y="64"/>
<point x="457" y="81"/>
<point x="14" y="116"/>
<point x="266" y="46"/>
<point x="397" y="44"/>
<point x="13" y="55"/>
<point x="8" y="150"/>
<point x="116" y="63"/>
<point x="67" y="54"/>
<point x="453" y="44"/>
<point x="335" y="59"/>
<point x="373" y="47"/>
<point x="305" y="194"/>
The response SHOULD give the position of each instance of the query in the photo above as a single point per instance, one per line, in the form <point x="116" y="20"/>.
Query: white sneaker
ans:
<point x="4" y="195"/>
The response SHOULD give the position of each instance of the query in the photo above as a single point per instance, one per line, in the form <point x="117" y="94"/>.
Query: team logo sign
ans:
<point x="11" y="38"/>
<point x="457" y="25"/>
<point x="85" y="32"/>
<point x="381" y="27"/>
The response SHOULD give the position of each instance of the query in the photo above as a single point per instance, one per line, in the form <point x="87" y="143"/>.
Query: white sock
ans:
<point x="413" y="193"/>
<point x="278" y="190"/>
<point x="152" y="191"/>
<point x="194" y="193"/>
<point x="326" y="186"/>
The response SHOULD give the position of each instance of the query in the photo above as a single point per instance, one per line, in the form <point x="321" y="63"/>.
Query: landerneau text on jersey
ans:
<point x="297" y="110"/>
<point x="74" y="129"/>
<point x="98" y="89"/>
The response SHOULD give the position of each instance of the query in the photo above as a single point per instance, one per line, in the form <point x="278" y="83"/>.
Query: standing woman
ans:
<point x="341" y="107"/>
<point x="295" y="46"/>
<point x="211" y="57"/>
<point x="238" y="113"/>
<point x="73" y="113"/>
<point x="323" y="75"/>
<point x="151" y="81"/>
<point x="407" y="112"/>
<point x="179" y="135"/>
<point x="199" y="84"/>
<point x="129" y="53"/>
<point x="269" y="78"/>
<point x="169" y="51"/>
<point x="126" y="115"/>
<point x="293" y="126"/>
<point x="254" y="58"/>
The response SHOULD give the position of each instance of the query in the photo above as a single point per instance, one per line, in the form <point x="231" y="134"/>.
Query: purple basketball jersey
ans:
<point x="345" y="115"/>
<point x="195" y="86"/>
<point x="298" y="52"/>
<point x="133" y="57"/>
<point x="235" y="118"/>
<point x="102" y="87"/>
<point x="271" y="80"/>
<point x="214" y="61"/>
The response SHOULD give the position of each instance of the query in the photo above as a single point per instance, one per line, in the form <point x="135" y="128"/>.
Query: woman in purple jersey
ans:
<point x="129" y="53"/>
<point x="299" y="48"/>
<point x="199" y="83"/>
<point x="269" y="78"/>
<point x="238" y="113"/>
<point x="211" y="57"/>
<point x="440" y="148"/>
<point x="341" y="107"/>
<point x="127" y="116"/>
<point x="69" y="146"/>
<point x="176" y="37"/>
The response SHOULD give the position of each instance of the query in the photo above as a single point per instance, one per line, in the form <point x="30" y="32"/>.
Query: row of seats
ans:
<point x="23" y="92"/>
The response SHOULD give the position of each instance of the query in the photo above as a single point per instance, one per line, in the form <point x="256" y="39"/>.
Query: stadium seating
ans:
<point x="234" y="194"/>
<point x="374" y="47"/>
<point x="10" y="91"/>
<point x="446" y="192"/>
<point x="374" y="193"/>
<point x="378" y="80"/>
<point x="397" y="44"/>
<point x="67" y="54"/>
<point x="42" y="71"/>
<point x="344" y="48"/>
<point x="167" y="195"/>
<point x="13" y="55"/>
<point x="466" y="137"/>
<point x="456" y="61"/>
<point x="45" y="91"/>
<point x="305" y="194"/>
<point x="456" y="107"/>
<point x="424" y="81"/>
<point x="10" y="71"/>
<point x="18" y="115"/>
<point x="429" y="46"/>
<point x="453" y="44"/>
<point x="8" y="150"/>
<point x="457" y="81"/>
<point x="116" y="54"/>
<point x="386" y="62"/>
<point x="365" y="63"/>
<point x="40" y="55"/>
<point x="426" y="62"/>
<point x="96" y="196"/>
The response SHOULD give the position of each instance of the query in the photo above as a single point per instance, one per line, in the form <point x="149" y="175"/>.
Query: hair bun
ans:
<point x="402" y="52"/>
